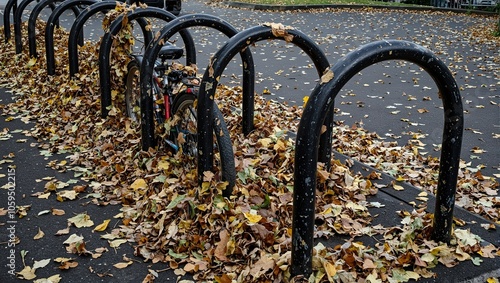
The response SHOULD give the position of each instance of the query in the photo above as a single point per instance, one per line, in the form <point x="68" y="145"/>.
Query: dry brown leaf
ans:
<point x="39" y="235"/>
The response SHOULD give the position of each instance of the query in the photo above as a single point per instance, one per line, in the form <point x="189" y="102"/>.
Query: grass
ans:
<point x="319" y="2"/>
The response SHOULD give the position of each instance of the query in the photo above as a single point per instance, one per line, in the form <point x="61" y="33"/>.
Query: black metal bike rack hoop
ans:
<point x="17" y="24"/>
<point x="107" y="42"/>
<point x="32" y="23"/>
<point x="219" y="62"/>
<point x="80" y="21"/>
<point x="177" y="25"/>
<point x="11" y="5"/>
<point x="49" y="30"/>
<point x="320" y="103"/>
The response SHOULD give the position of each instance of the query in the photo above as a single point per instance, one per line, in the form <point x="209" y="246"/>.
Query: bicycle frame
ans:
<point x="164" y="81"/>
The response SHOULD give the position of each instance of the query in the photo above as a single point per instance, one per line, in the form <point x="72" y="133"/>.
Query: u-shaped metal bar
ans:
<point x="219" y="62"/>
<point x="107" y="42"/>
<point x="80" y="21"/>
<point x="11" y="5"/>
<point x="17" y="24"/>
<point x="320" y="104"/>
<point x="147" y="122"/>
<point x="32" y="22"/>
<point x="49" y="30"/>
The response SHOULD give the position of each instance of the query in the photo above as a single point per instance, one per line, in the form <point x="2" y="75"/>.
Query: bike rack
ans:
<point x="107" y="42"/>
<point x="18" y="12"/>
<point x="312" y="144"/>
<point x="77" y="27"/>
<point x="217" y="65"/>
<point x="11" y="5"/>
<point x="180" y="23"/>
<point x="49" y="31"/>
<point x="320" y="103"/>
<point x="32" y="24"/>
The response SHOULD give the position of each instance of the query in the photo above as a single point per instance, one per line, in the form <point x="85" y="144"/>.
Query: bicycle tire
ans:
<point x="133" y="91"/>
<point x="133" y="94"/>
<point x="228" y="169"/>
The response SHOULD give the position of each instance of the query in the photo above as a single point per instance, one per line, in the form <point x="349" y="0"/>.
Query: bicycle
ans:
<point x="175" y="92"/>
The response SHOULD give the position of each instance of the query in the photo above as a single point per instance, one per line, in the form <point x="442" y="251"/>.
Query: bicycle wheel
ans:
<point x="133" y="95"/>
<point x="184" y="108"/>
<point x="133" y="91"/>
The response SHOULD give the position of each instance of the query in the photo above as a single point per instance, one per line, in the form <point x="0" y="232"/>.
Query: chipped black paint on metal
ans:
<point x="217" y="65"/>
<point x="49" y="30"/>
<point x="107" y="42"/>
<point x="151" y="53"/>
<point x="320" y="104"/>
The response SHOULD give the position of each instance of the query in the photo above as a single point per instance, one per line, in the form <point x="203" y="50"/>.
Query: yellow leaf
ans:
<point x="305" y="99"/>
<point x="422" y="194"/>
<point x="253" y="217"/>
<point x="265" y="142"/>
<point x="50" y="186"/>
<point x="397" y="187"/>
<point x="101" y="227"/>
<point x="114" y="94"/>
<point x="330" y="269"/>
<point x="31" y="62"/>
<point x="163" y="164"/>
<point x="138" y="184"/>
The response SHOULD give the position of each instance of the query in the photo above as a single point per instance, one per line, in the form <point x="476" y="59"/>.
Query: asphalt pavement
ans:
<point x="387" y="98"/>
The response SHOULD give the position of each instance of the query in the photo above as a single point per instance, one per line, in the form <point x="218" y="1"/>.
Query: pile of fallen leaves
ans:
<point x="247" y="237"/>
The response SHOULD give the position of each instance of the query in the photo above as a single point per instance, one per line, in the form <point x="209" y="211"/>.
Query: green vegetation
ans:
<point x="344" y="2"/>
